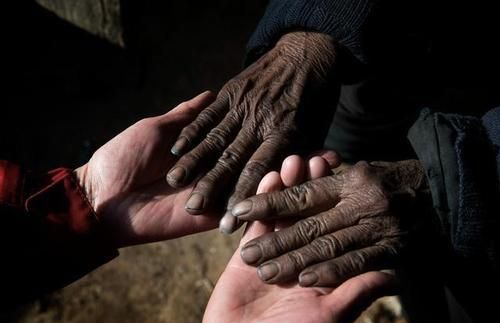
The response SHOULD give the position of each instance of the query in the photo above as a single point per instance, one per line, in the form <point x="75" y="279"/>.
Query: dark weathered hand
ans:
<point x="358" y="222"/>
<point x="240" y="296"/>
<point x="251" y="125"/>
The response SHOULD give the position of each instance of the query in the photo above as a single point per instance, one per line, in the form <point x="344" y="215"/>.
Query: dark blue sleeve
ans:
<point x="491" y="122"/>
<point x="462" y="159"/>
<point x="341" y="19"/>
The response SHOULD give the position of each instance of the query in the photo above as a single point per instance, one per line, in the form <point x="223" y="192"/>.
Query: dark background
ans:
<point x="68" y="92"/>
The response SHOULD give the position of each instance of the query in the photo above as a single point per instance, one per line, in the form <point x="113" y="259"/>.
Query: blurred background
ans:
<point x="76" y="73"/>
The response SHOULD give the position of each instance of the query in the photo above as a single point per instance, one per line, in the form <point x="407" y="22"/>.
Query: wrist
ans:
<point x="83" y="179"/>
<point x="313" y="52"/>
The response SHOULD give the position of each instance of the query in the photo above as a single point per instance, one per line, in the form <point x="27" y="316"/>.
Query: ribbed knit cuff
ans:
<point x="342" y="19"/>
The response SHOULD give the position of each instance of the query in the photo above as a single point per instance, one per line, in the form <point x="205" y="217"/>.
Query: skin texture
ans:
<point x="357" y="221"/>
<point x="253" y="122"/>
<point x="125" y="181"/>
<point x="240" y="296"/>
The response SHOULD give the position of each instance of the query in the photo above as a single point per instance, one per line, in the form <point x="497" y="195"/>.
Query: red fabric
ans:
<point x="53" y="236"/>
<point x="63" y="204"/>
<point x="11" y="184"/>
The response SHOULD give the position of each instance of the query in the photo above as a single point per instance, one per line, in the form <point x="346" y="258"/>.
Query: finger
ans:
<point x="317" y="167"/>
<point x="221" y="176"/>
<point x="352" y="297"/>
<point x="288" y="266"/>
<point x="207" y="119"/>
<point x="187" y="167"/>
<point x="184" y="113"/>
<point x="305" y="199"/>
<point x="293" y="171"/>
<point x="332" y="157"/>
<point x="269" y="183"/>
<point x="333" y="272"/>
<point x="258" y="165"/>
<point x="198" y="103"/>
<point x="300" y="234"/>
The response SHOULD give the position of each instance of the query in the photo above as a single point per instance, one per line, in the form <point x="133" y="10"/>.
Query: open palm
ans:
<point x="241" y="296"/>
<point x="125" y="181"/>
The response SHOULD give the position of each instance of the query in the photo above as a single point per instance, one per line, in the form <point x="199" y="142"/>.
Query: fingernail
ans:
<point x="251" y="254"/>
<point x="180" y="145"/>
<point x="242" y="208"/>
<point x="196" y="202"/>
<point x="268" y="271"/>
<point x="308" y="279"/>
<point x="176" y="176"/>
<point x="228" y="223"/>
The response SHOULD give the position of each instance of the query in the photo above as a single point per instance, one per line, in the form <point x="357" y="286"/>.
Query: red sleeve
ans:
<point x="52" y="235"/>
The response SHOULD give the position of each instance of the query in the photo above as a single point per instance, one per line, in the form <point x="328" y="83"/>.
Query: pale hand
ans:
<point x="125" y="181"/>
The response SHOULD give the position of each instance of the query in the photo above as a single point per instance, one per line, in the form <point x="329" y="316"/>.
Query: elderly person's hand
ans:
<point x="255" y="119"/>
<point x="358" y="221"/>
<point x="240" y="296"/>
<point x="125" y="181"/>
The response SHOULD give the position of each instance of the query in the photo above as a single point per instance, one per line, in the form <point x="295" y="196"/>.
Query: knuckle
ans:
<point x="230" y="158"/>
<point x="391" y="247"/>
<point x="276" y="244"/>
<point x="357" y="260"/>
<point x="309" y="229"/>
<point x="299" y="195"/>
<point x="329" y="246"/>
<point x="363" y="173"/>
<point x="255" y="169"/>
<point x="296" y="260"/>
<point x="217" y="138"/>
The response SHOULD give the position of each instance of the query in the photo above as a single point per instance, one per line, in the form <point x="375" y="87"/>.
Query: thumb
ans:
<point x="188" y="110"/>
<point x="353" y="296"/>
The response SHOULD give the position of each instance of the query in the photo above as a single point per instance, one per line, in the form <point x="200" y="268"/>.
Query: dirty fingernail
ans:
<point x="251" y="254"/>
<point x="228" y="224"/>
<point x="268" y="271"/>
<point x="242" y="208"/>
<point x="196" y="202"/>
<point x="308" y="279"/>
<point x="180" y="146"/>
<point x="176" y="176"/>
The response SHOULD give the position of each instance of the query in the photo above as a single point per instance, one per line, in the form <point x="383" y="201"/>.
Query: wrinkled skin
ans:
<point x="358" y="221"/>
<point x="240" y="296"/>
<point x="125" y="181"/>
<point x="253" y="123"/>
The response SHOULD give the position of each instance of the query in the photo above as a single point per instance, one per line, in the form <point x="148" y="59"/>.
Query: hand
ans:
<point x="240" y="296"/>
<point x="359" y="221"/>
<point x="254" y="121"/>
<point x="125" y="181"/>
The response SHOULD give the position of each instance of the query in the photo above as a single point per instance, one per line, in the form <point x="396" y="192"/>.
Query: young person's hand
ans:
<point x="125" y="181"/>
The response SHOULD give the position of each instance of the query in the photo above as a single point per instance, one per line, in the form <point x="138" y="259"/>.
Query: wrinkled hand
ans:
<point x="251" y="125"/>
<point x="358" y="221"/>
<point x="240" y="296"/>
<point x="125" y="181"/>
